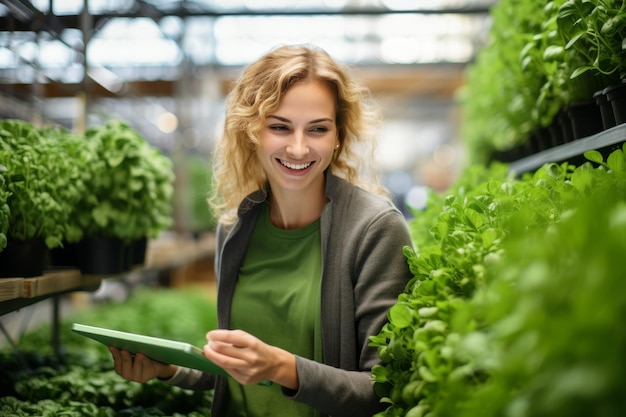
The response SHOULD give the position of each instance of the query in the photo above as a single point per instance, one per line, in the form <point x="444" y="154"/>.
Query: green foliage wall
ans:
<point x="511" y="304"/>
<point x="540" y="56"/>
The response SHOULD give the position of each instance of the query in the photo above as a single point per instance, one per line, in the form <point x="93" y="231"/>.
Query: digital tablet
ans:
<point x="162" y="350"/>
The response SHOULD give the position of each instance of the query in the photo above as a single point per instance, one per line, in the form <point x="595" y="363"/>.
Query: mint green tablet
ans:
<point x="162" y="350"/>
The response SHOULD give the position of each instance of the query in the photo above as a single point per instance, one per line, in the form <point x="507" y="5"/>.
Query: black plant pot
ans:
<point x="543" y="133"/>
<point x="68" y="256"/>
<point x="102" y="256"/>
<point x="556" y="132"/>
<point x="23" y="259"/>
<point x="512" y="154"/>
<point x="567" y="130"/>
<point x="585" y="119"/>
<point x="606" y="110"/>
<point x="540" y="140"/>
<point x="135" y="253"/>
<point x="616" y="95"/>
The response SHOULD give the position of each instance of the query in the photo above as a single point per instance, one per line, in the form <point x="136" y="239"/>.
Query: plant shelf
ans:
<point x="605" y="141"/>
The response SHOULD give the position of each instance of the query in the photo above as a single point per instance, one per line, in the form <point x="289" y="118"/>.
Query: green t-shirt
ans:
<point x="277" y="299"/>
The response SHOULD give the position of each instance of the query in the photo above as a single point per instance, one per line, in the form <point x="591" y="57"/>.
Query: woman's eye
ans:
<point x="319" y="129"/>
<point x="279" y="128"/>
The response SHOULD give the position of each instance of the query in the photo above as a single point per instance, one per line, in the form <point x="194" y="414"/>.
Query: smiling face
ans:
<point x="298" y="140"/>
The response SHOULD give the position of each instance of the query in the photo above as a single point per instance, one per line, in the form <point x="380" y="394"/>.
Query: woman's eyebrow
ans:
<point x="326" y="119"/>
<point x="285" y="120"/>
<point x="282" y="119"/>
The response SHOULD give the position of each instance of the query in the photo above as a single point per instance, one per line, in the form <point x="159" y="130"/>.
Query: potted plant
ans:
<point x="542" y="63"/>
<point x="73" y="172"/>
<point x="38" y="217"/>
<point x="130" y="193"/>
<point x="509" y="91"/>
<point x="594" y="34"/>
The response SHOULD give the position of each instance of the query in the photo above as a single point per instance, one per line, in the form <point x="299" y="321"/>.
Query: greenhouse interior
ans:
<point x="485" y="282"/>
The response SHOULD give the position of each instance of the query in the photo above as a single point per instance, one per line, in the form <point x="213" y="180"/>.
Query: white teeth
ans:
<point x="295" y="166"/>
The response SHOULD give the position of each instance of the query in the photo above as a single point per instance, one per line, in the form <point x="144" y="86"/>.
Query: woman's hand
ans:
<point x="249" y="360"/>
<point x="139" y="367"/>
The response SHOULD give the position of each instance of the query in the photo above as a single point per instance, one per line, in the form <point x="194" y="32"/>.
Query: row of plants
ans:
<point x="512" y="309"/>
<point x="81" y="382"/>
<point x="60" y="188"/>
<point x="543" y="60"/>
<point x="511" y="312"/>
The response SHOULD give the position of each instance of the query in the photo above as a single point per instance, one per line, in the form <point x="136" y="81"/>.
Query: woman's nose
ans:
<point x="297" y="145"/>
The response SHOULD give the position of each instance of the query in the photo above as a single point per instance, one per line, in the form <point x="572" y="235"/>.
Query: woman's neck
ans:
<point x="295" y="210"/>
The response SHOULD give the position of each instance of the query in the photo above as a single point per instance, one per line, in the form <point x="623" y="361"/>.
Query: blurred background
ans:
<point x="165" y="67"/>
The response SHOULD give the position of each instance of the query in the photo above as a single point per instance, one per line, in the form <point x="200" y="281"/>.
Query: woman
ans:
<point x="309" y="249"/>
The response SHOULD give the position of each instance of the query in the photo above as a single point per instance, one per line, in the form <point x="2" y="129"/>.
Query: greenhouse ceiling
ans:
<point x="53" y="41"/>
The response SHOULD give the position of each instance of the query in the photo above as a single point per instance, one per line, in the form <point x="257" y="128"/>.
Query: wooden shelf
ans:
<point x="52" y="282"/>
<point x="11" y="288"/>
<point x="166" y="253"/>
<point x="16" y="293"/>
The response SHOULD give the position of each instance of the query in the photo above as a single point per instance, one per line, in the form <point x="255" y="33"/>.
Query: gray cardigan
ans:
<point x="364" y="271"/>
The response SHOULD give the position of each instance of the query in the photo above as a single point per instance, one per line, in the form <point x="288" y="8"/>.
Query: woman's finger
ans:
<point x="117" y="359"/>
<point x="237" y="338"/>
<point x="126" y="364"/>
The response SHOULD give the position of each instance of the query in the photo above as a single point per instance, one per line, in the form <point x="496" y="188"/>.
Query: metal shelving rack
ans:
<point x="605" y="142"/>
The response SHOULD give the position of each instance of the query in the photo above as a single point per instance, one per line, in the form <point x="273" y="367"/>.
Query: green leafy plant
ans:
<point x="82" y="382"/>
<point x="5" y="212"/>
<point x="131" y="188"/>
<point x="543" y="324"/>
<point x="429" y="347"/>
<point x="540" y="57"/>
<point x="71" y="171"/>
<point x="36" y="206"/>
<point x="199" y="175"/>
<point x="595" y="32"/>
<point x="509" y="88"/>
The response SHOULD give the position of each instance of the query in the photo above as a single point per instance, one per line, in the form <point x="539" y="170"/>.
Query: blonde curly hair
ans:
<point x="258" y="92"/>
